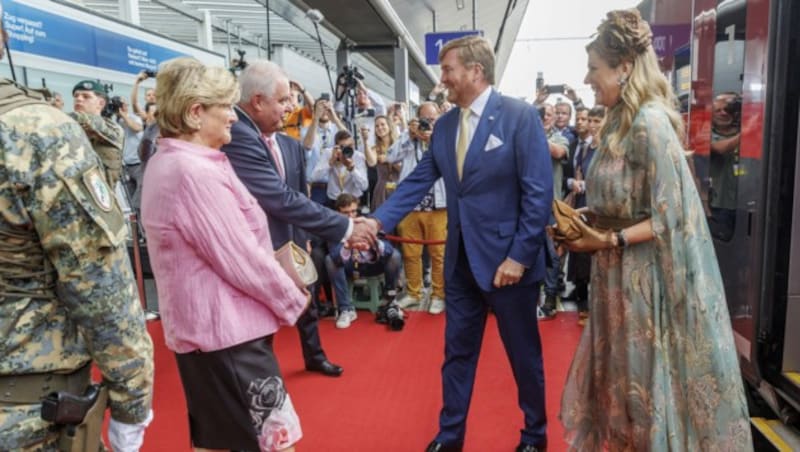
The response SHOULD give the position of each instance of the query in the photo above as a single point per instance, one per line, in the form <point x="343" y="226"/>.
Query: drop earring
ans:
<point x="622" y="81"/>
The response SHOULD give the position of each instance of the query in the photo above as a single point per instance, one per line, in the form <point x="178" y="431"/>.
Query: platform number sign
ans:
<point x="434" y="42"/>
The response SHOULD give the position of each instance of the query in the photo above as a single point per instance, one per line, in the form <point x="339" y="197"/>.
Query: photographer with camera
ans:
<point x="316" y="137"/>
<point x="345" y="167"/>
<point x="93" y="111"/>
<point x="723" y="166"/>
<point x="428" y="221"/>
<point x="344" y="261"/>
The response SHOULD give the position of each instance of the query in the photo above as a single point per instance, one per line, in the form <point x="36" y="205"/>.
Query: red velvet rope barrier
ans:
<point x="396" y="239"/>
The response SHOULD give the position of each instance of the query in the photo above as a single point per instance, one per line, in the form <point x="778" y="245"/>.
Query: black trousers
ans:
<point x="307" y="326"/>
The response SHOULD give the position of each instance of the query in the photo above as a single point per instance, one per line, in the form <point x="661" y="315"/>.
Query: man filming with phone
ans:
<point x="346" y="168"/>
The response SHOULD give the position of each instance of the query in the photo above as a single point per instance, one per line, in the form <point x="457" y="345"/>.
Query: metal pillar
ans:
<point x="474" y="14"/>
<point x="400" y="74"/>
<point x="129" y="11"/>
<point x="269" y="32"/>
<point x="205" y="36"/>
<point x="342" y="57"/>
<point x="228" y="39"/>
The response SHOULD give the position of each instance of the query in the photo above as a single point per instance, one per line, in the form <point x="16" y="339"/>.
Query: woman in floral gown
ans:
<point x="656" y="368"/>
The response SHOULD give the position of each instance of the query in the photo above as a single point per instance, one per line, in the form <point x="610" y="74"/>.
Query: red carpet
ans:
<point x="389" y="395"/>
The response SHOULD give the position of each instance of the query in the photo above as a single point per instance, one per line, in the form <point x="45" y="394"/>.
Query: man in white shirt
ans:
<point x="346" y="168"/>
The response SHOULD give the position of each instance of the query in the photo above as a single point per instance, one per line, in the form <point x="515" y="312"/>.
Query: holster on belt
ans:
<point x="78" y="418"/>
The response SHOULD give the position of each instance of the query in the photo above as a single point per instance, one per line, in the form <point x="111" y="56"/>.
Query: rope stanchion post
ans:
<point x="137" y="260"/>
<point x="396" y="239"/>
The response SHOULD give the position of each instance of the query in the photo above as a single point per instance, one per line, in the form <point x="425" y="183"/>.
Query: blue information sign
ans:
<point x="435" y="41"/>
<point x="38" y="32"/>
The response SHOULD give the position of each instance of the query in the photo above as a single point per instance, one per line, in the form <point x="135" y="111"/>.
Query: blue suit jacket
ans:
<point x="285" y="203"/>
<point x="502" y="203"/>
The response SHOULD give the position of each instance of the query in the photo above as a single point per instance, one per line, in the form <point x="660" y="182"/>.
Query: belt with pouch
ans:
<point x="319" y="184"/>
<point x="32" y="388"/>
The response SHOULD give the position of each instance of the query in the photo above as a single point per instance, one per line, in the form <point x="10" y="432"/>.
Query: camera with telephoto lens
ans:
<point x="112" y="107"/>
<point x="347" y="152"/>
<point x="391" y="315"/>
<point x="349" y="77"/>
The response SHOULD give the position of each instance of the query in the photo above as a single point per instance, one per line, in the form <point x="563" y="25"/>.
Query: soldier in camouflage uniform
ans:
<point x="107" y="136"/>
<point x="67" y="293"/>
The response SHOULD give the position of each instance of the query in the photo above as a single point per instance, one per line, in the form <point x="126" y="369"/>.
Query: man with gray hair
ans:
<point x="272" y="167"/>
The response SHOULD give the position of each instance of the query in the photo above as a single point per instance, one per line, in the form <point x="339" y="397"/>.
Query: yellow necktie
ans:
<point x="463" y="140"/>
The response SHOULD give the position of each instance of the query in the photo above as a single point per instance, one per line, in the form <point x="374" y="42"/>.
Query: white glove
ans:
<point x="127" y="437"/>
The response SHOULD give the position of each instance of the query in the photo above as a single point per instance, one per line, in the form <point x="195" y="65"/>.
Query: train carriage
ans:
<point x="738" y="82"/>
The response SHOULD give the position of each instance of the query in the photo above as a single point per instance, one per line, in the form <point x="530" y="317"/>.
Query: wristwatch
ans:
<point x="622" y="242"/>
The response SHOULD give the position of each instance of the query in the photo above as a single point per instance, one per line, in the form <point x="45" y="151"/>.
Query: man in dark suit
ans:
<point x="272" y="167"/>
<point x="495" y="162"/>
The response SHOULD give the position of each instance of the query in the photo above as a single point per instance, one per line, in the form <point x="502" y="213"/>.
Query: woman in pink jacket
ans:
<point x="222" y="295"/>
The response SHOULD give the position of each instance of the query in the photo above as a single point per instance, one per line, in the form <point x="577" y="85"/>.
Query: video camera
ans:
<point x="238" y="64"/>
<point x="349" y="77"/>
<point x="112" y="107"/>
<point x="391" y="314"/>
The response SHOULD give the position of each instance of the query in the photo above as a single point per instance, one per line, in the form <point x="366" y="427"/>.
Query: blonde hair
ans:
<point x="624" y="37"/>
<point x="184" y="81"/>
<point x="379" y="146"/>
<point x="473" y="50"/>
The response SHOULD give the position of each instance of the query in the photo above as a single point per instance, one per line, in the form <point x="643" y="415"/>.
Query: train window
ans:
<point x="724" y="168"/>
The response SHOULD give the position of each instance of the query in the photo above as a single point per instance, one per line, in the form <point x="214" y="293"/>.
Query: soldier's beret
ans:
<point x="89" y="85"/>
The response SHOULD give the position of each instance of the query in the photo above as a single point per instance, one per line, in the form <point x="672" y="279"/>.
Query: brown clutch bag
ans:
<point x="297" y="264"/>
<point x="573" y="228"/>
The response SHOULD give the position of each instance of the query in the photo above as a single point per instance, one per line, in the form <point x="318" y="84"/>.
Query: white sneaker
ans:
<point x="150" y="315"/>
<point x="437" y="306"/>
<point x="346" y="318"/>
<point x="407" y="301"/>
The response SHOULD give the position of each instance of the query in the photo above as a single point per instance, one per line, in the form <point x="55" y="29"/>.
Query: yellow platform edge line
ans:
<point x="794" y="377"/>
<point x="765" y="427"/>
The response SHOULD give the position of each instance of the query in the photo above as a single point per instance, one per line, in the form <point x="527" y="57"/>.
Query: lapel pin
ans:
<point x="491" y="118"/>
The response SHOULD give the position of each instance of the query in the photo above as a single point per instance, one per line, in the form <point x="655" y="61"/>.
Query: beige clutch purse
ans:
<point x="297" y="264"/>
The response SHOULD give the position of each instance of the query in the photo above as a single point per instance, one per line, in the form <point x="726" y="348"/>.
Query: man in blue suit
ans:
<point x="493" y="156"/>
<point x="272" y="167"/>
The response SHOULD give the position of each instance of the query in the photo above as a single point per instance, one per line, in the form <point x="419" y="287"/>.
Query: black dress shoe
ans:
<point x="325" y="367"/>
<point x="435" y="446"/>
<point x="529" y="448"/>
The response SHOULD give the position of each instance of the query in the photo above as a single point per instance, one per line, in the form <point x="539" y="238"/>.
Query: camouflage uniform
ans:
<point x="67" y="293"/>
<point x="107" y="139"/>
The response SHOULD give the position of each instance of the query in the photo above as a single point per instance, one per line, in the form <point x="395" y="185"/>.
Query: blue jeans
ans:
<point x="339" y="270"/>
<point x="553" y="270"/>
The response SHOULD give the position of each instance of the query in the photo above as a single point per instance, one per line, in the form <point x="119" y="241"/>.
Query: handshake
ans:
<point x="365" y="234"/>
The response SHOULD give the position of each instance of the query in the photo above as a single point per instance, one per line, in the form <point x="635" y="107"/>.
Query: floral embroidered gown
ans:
<point x="656" y="368"/>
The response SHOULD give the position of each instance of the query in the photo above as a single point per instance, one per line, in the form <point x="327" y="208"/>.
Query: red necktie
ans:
<point x="275" y="156"/>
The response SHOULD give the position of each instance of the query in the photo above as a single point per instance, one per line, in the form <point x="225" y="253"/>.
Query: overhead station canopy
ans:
<point x="370" y="27"/>
<point x="370" y="24"/>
